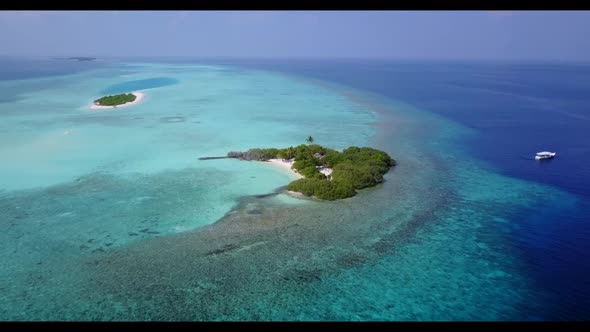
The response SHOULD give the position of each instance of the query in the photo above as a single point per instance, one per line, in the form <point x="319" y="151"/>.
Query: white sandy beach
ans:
<point x="138" y="98"/>
<point x="295" y="194"/>
<point x="285" y="165"/>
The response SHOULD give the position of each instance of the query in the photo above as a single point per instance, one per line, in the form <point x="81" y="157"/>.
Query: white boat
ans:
<point x="544" y="155"/>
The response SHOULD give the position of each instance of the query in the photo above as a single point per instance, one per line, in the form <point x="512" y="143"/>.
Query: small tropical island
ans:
<point x="326" y="173"/>
<point x="116" y="99"/>
<point x="120" y="100"/>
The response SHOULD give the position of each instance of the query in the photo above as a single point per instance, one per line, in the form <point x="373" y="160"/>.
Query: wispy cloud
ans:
<point x="30" y="13"/>
<point x="176" y="19"/>
<point x="501" y="13"/>
<point x="311" y="19"/>
<point x="251" y="17"/>
<point x="182" y="15"/>
<point x="17" y="18"/>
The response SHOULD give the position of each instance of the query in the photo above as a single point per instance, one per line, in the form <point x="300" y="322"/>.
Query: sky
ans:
<point x="416" y="35"/>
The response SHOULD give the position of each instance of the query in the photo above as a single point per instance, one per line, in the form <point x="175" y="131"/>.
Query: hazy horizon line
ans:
<point x="300" y="57"/>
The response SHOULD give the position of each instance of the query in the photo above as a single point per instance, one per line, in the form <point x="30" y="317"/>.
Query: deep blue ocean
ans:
<point x="515" y="110"/>
<point x="15" y="68"/>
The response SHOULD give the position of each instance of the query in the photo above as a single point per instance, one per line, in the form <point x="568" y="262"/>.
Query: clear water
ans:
<point x="109" y="215"/>
<point x="135" y="85"/>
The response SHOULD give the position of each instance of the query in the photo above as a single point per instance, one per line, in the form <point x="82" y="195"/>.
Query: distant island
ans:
<point x="81" y="58"/>
<point x="120" y="100"/>
<point x="326" y="173"/>
<point x="77" y="58"/>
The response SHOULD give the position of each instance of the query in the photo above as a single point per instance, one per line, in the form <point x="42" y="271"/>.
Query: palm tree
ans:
<point x="310" y="140"/>
<point x="290" y="152"/>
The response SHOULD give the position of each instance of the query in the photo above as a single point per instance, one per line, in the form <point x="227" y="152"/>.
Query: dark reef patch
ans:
<point x="254" y="211"/>
<point x="224" y="249"/>
<point x="351" y="260"/>
<point x="302" y="275"/>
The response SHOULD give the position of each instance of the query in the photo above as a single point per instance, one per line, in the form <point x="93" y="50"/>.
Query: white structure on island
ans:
<point x="326" y="171"/>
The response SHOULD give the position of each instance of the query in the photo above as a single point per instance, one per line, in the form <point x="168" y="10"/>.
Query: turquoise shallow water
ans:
<point x="111" y="216"/>
<point x="148" y="83"/>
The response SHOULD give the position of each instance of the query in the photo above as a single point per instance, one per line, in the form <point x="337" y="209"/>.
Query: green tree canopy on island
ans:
<point x="352" y="169"/>
<point x="115" y="100"/>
